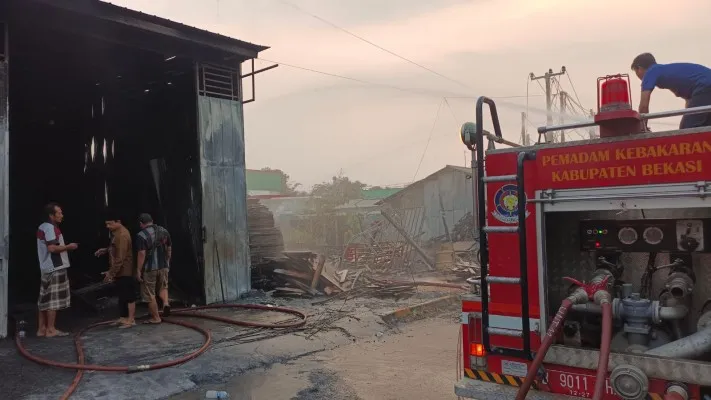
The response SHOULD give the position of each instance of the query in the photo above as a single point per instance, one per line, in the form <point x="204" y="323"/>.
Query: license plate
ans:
<point x="578" y="385"/>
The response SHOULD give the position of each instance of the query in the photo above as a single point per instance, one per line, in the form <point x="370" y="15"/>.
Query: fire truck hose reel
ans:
<point x="629" y="382"/>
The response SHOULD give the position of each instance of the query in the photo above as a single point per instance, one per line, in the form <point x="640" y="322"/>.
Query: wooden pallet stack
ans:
<point x="265" y="238"/>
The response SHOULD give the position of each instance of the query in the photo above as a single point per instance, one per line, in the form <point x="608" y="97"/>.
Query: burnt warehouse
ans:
<point x="107" y="108"/>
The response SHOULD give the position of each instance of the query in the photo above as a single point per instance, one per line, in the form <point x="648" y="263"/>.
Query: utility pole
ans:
<point x="549" y="100"/>
<point x="563" y="99"/>
<point x="524" y="135"/>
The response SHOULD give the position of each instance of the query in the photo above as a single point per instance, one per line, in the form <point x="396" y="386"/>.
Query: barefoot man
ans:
<point x="153" y="261"/>
<point x="54" y="294"/>
<point x="121" y="269"/>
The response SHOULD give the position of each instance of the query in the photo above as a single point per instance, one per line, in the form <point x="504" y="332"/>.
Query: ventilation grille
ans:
<point x="219" y="82"/>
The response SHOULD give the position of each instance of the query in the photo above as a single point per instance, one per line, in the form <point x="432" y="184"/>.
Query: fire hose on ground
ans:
<point x="80" y="366"/>
<point x="582" y="294"/>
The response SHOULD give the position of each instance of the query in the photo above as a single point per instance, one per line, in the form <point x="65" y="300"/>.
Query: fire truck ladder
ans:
<point x="520" y="229"/>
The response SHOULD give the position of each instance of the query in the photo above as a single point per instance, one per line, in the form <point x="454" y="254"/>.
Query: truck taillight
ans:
<point x="477" y="354"/>
<point x="477" y="350"/>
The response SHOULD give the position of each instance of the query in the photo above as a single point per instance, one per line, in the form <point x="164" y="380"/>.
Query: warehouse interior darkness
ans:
<point x="96" y="125"/>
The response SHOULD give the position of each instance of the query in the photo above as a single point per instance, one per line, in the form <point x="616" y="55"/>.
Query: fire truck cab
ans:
<point x="595" y="261"/>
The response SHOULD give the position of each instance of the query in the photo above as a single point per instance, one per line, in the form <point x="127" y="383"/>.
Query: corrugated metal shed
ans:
<point x="113" y="23"/>
<point x="447" y="192"/>
<point x="358" y="206"/>
<point x="220" y="130"/>
<point x="227" y="261"/>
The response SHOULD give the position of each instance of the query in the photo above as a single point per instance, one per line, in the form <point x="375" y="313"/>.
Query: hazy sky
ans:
<point x="312" y="125"/>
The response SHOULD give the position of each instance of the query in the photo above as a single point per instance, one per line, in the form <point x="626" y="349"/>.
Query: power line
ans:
<point x="420" y="91"/>
<point x="451" y="111"/>
<point x="429" y="138"/>
<point x="374" y="44"/>
<point x="361" y="81"/>
<point x="573" y="86"/>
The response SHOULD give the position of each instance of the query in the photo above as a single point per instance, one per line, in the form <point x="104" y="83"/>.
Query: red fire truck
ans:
<point x="595" y="261"/>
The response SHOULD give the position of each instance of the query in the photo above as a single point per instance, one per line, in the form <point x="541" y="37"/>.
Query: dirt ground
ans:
<point x="418" y="362"/>
<point x="236" y="354"/>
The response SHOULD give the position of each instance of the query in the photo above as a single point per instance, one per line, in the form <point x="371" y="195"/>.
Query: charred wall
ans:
<point x="96" y="125"/>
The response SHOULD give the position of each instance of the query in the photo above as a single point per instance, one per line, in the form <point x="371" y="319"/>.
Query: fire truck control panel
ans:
<point x="645" y="235"/>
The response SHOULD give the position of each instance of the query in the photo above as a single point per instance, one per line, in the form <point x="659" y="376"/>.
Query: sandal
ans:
<point x="151" y="322"/>
<point x="58" y="334"/>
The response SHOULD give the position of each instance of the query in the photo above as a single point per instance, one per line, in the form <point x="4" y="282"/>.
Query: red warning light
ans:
<point x="614" y="92"/>
<point x="597" y="245"/>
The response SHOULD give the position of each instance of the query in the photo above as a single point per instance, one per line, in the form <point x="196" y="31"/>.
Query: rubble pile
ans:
<point x="297" y="274"/>
<point x="265" y="239"/>
<point x="379" y="256"/>
<point x="466" y="265"/>
<point x="464" y="229"/>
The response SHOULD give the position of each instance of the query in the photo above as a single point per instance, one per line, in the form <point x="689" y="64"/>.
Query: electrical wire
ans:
<point x="374" y="44"/>
<point x="573" y="86"/>
<point x="429" y="138"/>
<point x="451" y="111"/>
<point x="419" y="91"/>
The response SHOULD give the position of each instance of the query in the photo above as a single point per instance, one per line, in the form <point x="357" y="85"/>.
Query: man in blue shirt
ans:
<point x="691" y="82"/>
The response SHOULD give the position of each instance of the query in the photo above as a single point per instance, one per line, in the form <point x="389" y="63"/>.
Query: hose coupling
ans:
<point x="588" y="291"/>
<point x="678" y="389"/>
<point x="679" y="284"/>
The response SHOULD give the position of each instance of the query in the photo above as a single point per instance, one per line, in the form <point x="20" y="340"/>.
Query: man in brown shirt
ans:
<point x="121" y="270"/>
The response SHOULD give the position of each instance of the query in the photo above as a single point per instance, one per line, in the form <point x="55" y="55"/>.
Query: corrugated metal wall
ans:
<point x="4" y="170"/>
<point x="449" y="194"/>
<point x="447" y="190"/>
<point x="224" y="193"/>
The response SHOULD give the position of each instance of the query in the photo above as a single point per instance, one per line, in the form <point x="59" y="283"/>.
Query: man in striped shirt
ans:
<point x="54" y="293"/>
<point x="154" y="251"/>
